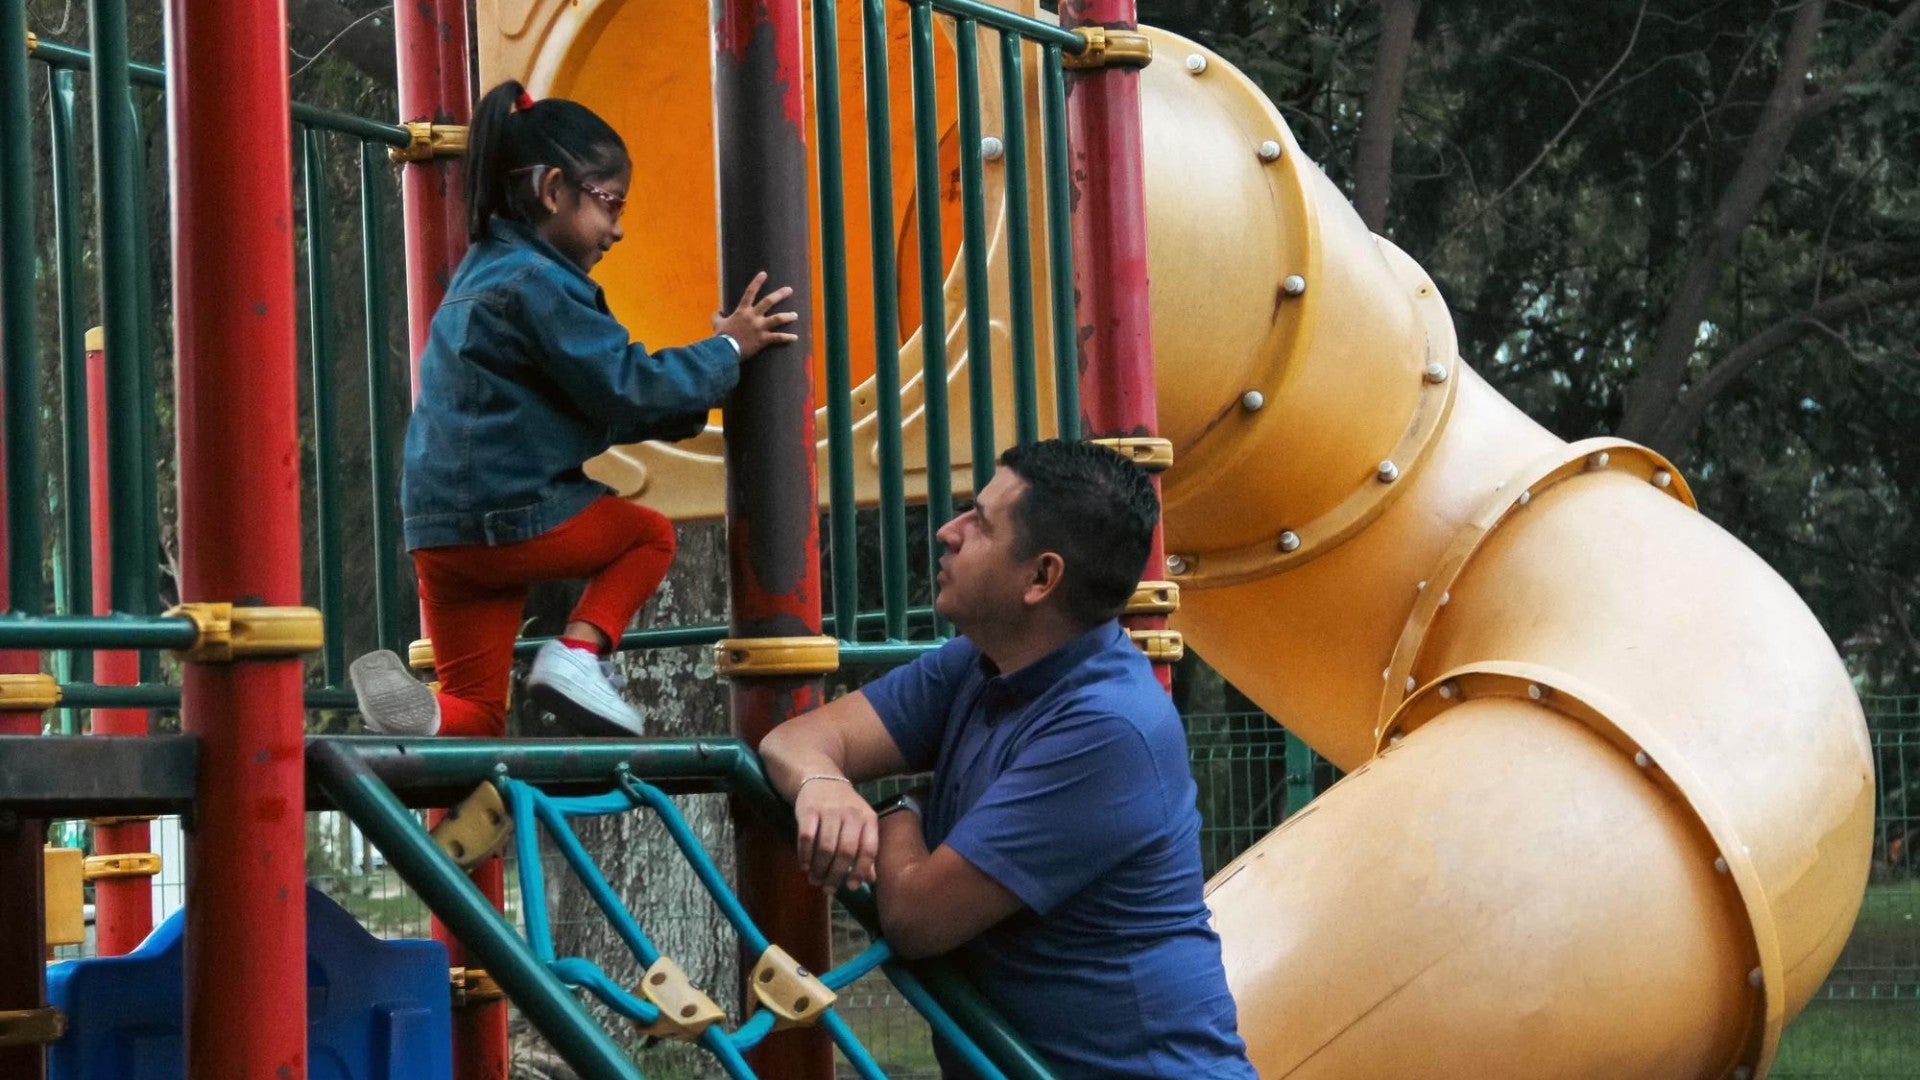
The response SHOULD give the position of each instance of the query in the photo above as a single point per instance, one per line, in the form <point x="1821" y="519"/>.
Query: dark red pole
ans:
<point x="430" y="38"/>
<point x="773" y="532"/>
<point x="23" y="931"/>
<point x="123" y="907"/>
<point x="1110" y="256"/>
<point x="239" y="452"/>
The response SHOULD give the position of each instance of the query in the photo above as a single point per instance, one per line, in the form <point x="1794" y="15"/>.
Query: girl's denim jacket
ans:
<point x="526" y="375"/>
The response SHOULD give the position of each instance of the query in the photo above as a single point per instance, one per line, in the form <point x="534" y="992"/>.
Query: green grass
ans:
<point x="1852" y="1040"/>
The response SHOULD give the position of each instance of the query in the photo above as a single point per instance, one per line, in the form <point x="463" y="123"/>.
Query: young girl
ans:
<point x="526" y="376"/>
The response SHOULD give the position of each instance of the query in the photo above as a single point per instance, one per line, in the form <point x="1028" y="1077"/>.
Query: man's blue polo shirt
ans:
<point x="1067" y="782"/>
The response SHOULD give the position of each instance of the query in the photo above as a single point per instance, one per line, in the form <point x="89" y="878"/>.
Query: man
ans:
<point x="1056" y="856"/>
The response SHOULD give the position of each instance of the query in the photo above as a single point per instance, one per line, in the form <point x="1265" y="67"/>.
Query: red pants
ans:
<point x="472" y="598"/>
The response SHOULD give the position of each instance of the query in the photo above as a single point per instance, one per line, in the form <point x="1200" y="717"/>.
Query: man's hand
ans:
<point x="839" y="834"/>
<point x="753" y="322"/>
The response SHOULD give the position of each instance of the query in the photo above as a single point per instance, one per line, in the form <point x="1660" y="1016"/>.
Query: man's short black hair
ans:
<point x="1093" y="508"/>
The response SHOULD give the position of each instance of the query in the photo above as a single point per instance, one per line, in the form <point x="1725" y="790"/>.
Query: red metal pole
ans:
<point x="773" y="529"/>
<point x="23" y="931"/>
<point x="238" y="454"/>
<point x="123" y="907"/>
<point x="430" y="38"/>
<point x="1110" y="256"/>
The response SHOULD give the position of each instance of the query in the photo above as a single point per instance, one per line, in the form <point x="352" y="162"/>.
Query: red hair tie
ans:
<point x="524" y="102"/>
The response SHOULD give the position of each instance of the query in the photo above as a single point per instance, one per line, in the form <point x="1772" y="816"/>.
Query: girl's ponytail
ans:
<point x="489" y="158"/>
<point x="511" y="133"/>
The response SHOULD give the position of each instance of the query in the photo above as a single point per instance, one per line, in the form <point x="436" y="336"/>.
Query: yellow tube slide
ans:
<point x="1609" y="799"/>
<point x="1609" y="794"/>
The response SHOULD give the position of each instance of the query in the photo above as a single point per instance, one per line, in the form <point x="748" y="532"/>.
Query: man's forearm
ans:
<point x="789" y="766"/>
<point x="903" y="852"/>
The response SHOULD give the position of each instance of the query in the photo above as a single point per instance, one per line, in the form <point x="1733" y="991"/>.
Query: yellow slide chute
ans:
<point x="1609" y="794"/>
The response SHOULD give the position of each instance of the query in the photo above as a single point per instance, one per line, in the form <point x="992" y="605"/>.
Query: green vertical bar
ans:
<point x="73" y="359"/>
<point x="19" y="330"/>
<point x="1013" y="94"/>
<point x="973" y="217"/>
<point x="842" y="522"/>
<point x="383" y="470"/>
<point x="1066" y="345"/>
<point x="326" y="500"/>
<point x="1299" y="765"/>
<point x="128" y="468"/>
<point x="933" y="271"/>
<point x="147" y="489"/>
<point x="77" y="538"/>
<point x="886" y="322"/>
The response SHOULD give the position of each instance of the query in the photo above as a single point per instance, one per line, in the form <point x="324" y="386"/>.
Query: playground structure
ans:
<point x="1609" y="792"/>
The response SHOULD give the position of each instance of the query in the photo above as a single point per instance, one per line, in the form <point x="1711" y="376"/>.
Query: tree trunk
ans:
<point x="1373" y="156"/>
<point x="678" y="694"/>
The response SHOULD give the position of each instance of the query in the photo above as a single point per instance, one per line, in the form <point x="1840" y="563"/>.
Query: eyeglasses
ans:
<point x="615" y="204"/>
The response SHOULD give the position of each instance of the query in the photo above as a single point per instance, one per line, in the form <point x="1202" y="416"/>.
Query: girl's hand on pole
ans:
<point x="753" y="322"/>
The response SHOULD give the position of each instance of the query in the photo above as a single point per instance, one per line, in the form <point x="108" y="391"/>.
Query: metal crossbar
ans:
<point x="530" y="807"/>
<point x="354" y="773"/>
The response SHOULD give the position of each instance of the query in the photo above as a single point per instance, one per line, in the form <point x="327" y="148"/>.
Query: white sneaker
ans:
<point x="392" y="701"/>
<point x="573" y="685"/>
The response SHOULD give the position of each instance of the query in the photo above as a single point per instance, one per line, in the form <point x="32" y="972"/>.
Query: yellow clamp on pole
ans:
<point x="430" y="141"/>
<point x="229" y="633"/>
<point x="473" y="986"/>
<point x="32" y="1027"/>
<point x="474" y="829"/>
<point x="1153" y="455"/>
<point x="789" y="991"/>
<point x="1154" y="598"/>
<point x="1109" y="48"/>
<point x="28" y="693"/>
<point x="1161" y="646"/>
<point x="749" y="657"/>
<point x="129" y="865"/>
<point x="65" y="895"/>
<point x="33" y="42"/>
<point x="685" y="1011"/>
<point x="420" y="655"/>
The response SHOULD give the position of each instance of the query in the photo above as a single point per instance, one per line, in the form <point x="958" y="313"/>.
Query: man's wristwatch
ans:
<point x="906" y="800"/>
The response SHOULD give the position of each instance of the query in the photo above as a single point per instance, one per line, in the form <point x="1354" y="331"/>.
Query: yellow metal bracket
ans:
<point x="738" y="658"/>
<point x="65" y="895"/>
<point x="788" y="990"/>
<point x="32" y="1027"/>
<point x="128" y="865"/>
<point x="1161" y="646"/>
<point x="1153" y="455"/>
<point x="420" y="655"/>
<point x="473" y="986"/>
<point x="474" y="829"/>
<point x="28" y="693"/>
<point x="685" y="1011"/>
<point x="430" y="141"/>
<point x="1154" y="598"/>
<point x="229" y="633"/>
<point x="1109" y="48"/>
<point x="33" y="42"/>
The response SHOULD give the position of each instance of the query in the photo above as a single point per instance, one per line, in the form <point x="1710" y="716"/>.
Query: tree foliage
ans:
<point x="1694" y="225"/>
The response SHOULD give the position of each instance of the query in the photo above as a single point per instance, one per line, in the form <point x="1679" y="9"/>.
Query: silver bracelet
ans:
<point x="817" y="776"/>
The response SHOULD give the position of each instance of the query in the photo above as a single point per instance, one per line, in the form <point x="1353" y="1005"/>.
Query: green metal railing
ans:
<point x="126" y="315"/>
<point x="1017" y="37"/>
